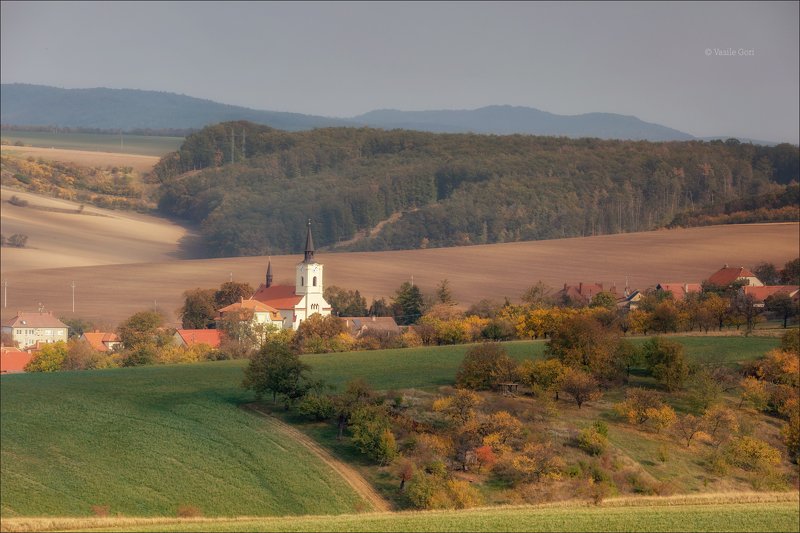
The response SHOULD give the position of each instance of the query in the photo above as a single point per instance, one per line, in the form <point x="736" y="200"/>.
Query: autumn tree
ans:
<point x="142" y="335"/>
<point x="687" y="427"/>
<point x="460" y="407"/>
<point x="538" y="296"/>
<point x="720" y="423"/>
<point x="48" y="358"/>
<point x="542" y="376"/>
<point x="320" y="334"/>
<point x="484" y="366"/>
<point x="345" y="302"/>
<point x="580" y="385"/>
<point x="782" y="306"/>
<point x="583" y="342"/>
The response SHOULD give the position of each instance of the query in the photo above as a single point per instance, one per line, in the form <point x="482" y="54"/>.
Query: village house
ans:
<point x="102" y="341"/>
<point x="28" y="329"/>
<point x="382" y="326"/>
<point x="186" y="338"/>
<point x="582" y="293"/>
<point x="295" y="304"/>
<point x="760" y="294"/>
<point x="13" y="359"/>
<point x="680" y="291"/>
<point x="261" y="313"/>
<point x="727" y="276"/>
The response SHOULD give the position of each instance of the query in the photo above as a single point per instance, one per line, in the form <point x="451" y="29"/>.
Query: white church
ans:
<point x="295" y="304"/>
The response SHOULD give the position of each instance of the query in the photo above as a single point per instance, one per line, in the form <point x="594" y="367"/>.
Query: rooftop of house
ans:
<point x="760" y="294"/>
<point x="13" y="359"/>
<point x="190" y="337"/>
<point x="727" y="275"/>
<point x="277" y="296"/>
<point x="376" y="323"/>
<point x="43" y="319"/>
<point x="253" y="305"/>
<point x="100" y="340"/>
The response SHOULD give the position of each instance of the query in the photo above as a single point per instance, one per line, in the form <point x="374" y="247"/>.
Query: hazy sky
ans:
<point x="655" y="61"/>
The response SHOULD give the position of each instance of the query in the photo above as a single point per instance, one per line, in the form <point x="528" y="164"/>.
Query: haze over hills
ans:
<point x="129" y="109"/>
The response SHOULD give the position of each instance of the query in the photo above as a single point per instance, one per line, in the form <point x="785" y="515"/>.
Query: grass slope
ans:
<point x="146" y="440"/>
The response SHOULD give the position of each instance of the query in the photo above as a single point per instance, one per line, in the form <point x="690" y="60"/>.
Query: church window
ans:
<point x="315" y="281"/>
<point x="302" y="281"/>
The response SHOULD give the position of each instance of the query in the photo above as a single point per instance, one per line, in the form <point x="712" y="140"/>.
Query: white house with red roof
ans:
<point x="295" y="304"/>
<point x="727" y="276"/>
<point x="262" y="313"/>
<point x="27" y="329"/>
<point x="760" y="294"/>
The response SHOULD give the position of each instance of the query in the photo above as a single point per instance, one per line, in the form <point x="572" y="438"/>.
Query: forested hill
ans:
<point x="446" y="189"/>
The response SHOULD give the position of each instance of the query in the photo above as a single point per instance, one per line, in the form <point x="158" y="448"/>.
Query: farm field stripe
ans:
<point x="349" y="474"/>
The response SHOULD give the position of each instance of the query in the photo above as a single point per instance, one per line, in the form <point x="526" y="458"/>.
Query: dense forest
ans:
<point x="252" y="187"/>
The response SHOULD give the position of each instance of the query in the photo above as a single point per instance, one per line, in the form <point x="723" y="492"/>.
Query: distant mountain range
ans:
<point x="130" y="109"/>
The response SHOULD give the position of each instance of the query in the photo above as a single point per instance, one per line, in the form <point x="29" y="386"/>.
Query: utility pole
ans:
<point x="73" y="295"/>
<point x="231" y="277"/>
<point x="5" y="293"/>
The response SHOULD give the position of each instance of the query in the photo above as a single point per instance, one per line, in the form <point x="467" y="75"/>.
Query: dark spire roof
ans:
<point x="309" y="257"/>
<point x="269" y="273"/>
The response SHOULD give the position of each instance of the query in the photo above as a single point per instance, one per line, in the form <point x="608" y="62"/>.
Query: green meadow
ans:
<point x="144" y="441"/>
<point x="97" y="142"/>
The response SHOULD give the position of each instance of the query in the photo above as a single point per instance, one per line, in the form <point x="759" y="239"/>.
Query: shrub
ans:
<point x="18" y="240"/>
<point x="316" y="407"/>
<point x="19" y="202"/>
<point x="100" y="510"/>
<point x="749" y="453"/>
<point x="189" y="511"/>
<point x="666" y="361"/>
<point x="49" y="358"/>
<point x="592" y="441"/>
<point x="485" y="366"/>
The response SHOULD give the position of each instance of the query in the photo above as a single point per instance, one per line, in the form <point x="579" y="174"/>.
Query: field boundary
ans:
<point x="29" y="524"/>
<point x="348" y="473"/>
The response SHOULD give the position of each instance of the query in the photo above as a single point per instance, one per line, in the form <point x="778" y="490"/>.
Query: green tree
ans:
<point x="231" y="292"/>
<point x="408" y="304"/>
<point x="484" y="366"/>
<point x="345" y="302"/>
<point x="277" y="370"/>
<point x="379" y="307"/>
<point x="782" y="306"/>
<point x="666" y="361"/>
<point x="356" y="393"/>
<point x="767" y="273"/>
<point x="199" y="308"/>
<point x="142" y="328"/>
<point x="371" y="431"/>
<point x="604" y="299"/>
<point x="790" y="275"/>
<point x="443" y="293"/>
<point x="49" y="358"/>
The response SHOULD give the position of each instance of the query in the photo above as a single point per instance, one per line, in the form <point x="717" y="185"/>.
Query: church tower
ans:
<point x="308" y="280"/>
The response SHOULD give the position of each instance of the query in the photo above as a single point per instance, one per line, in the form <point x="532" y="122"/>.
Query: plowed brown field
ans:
<point x="151" y="278"/>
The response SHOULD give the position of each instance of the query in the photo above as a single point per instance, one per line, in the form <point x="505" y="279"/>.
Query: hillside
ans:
<point x="114" y="292"/>
<point x="105" y="436"/>
<point x="435" y="190"/>
<point x="62" y="235"/>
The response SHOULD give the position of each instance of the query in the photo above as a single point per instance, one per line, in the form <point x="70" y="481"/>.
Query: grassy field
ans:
<point x="760" y="512"/>
<point x="96" y="142"/>
<point x="146" y="440"/>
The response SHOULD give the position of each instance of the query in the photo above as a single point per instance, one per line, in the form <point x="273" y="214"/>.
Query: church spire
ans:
<point x="269" y="272"/>
<point x="309" y="258"/>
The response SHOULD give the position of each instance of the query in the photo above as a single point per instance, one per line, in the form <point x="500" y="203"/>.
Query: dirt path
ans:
<point x="353" y="478"/>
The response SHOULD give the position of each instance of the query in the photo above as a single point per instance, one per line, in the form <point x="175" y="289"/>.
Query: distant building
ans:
<point x="679" y="290"/>
<point x="262" y="313"/>
<point x="295" y="304"/>
<point x="727" y="276"/>
<point x="760" y="294"/>
<point x="27" y="329"/>
<point x="378" y="325"/>
<point x="582" y="293"/>
<point x="189" y="337"/>
<point x="13" y="359"/>
<point x="102" y="341"/>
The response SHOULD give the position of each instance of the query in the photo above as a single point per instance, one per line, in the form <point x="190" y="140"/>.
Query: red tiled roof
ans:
<point x="255" y="305"/>
<point x="278" y="296"/>
<point x="13" y="359"/>
<point x="34" y="320"/>
<point x="760" y="294"/>
<point x="680" y="290"/>
<point x="584" y="291"/>
<point x="727" y="275"/>
<point x="200" y="336"/>
<point x="375" y="323"/>
<point x="98" y="339"/>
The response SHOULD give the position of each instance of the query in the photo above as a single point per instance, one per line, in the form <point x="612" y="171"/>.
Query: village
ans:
<point x="733" y="298"/>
